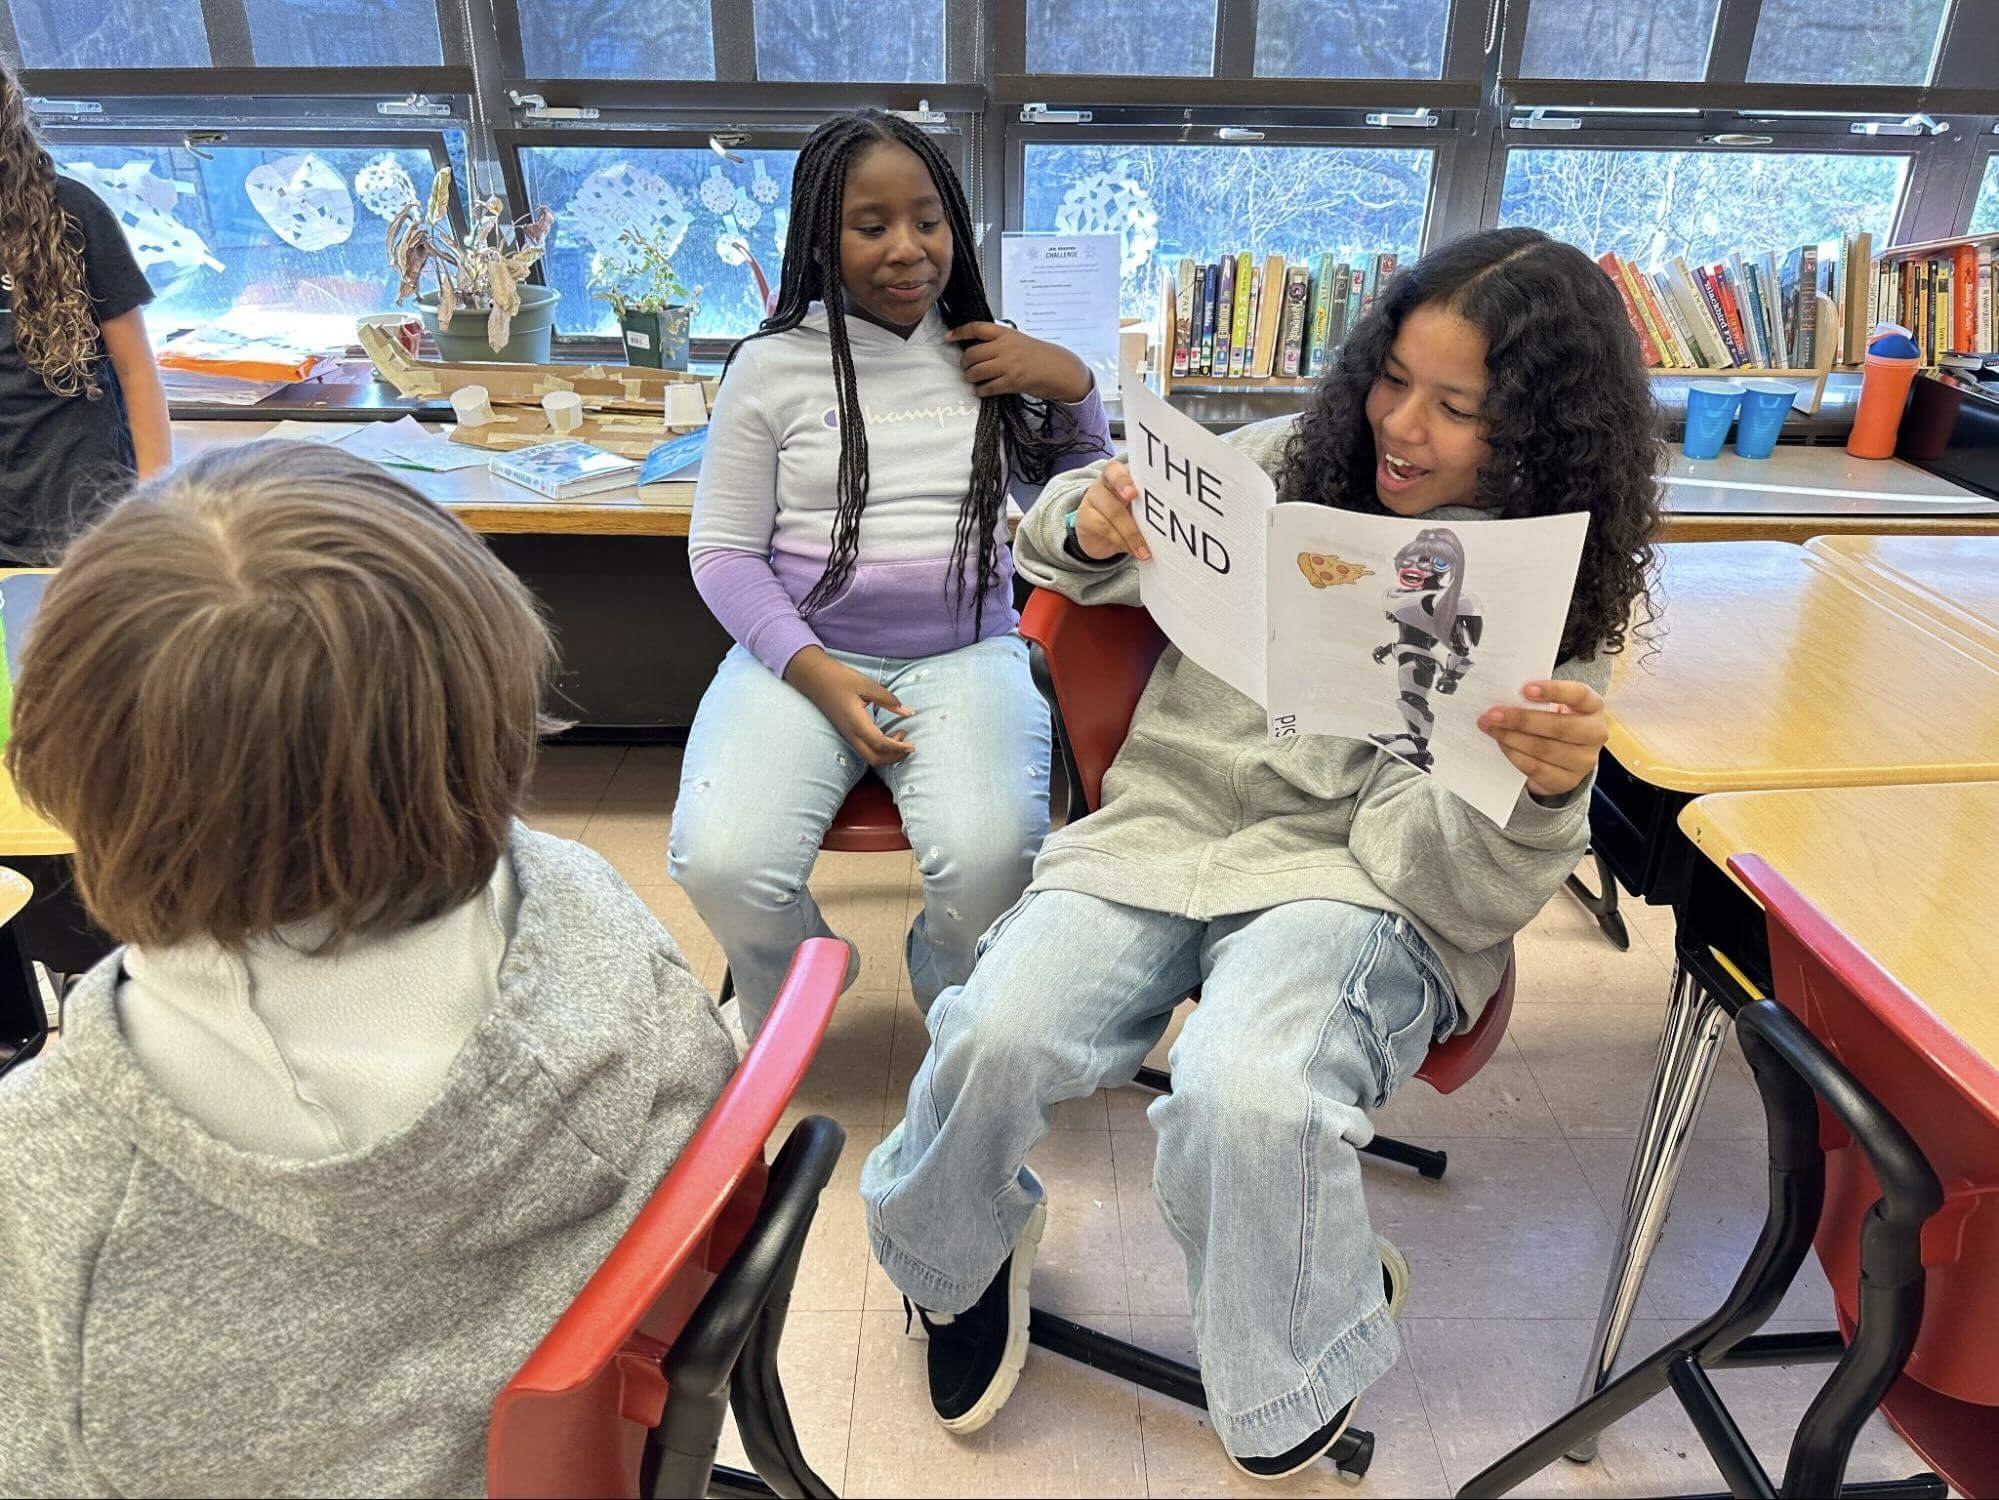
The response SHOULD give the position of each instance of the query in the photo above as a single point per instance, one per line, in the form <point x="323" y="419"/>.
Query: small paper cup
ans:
<point x="565" y="411"/>
<point x="472" y="405"/>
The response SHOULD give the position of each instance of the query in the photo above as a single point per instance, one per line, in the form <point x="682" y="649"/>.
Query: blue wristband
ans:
<point x="1070" y="519"/>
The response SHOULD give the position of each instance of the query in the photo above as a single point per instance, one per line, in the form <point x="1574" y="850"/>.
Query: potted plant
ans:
<point x="655" y="310"/>
<point x="484" y="273"/>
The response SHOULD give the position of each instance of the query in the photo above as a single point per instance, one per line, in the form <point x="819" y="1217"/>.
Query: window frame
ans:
<point x="1969" y="30"/>
<point x="1234" y="83"/>
<point x="233" y="70"/>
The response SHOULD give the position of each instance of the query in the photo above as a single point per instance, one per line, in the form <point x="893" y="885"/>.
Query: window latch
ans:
<point x="1916" y="124"/>
<point x="724" y="144"/>
<point x="1238" y="133"/>
<point x="65" y="106"/>
<point x="414" y="104"/>
<point x="923" y="114"/>
<point x="534" y="107"/>
<point x="1041" y="114"/>
<point x="1417" y="119"/>
<point x="1538" y="118"/>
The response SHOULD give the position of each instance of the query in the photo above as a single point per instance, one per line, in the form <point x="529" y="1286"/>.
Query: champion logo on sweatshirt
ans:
<point x="940" y="414"/>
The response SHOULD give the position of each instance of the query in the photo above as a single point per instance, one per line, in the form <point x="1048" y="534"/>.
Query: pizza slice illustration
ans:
<point x="1324" y="570"/>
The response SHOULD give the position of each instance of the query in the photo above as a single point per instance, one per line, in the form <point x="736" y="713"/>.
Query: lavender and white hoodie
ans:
<point x="768" y="495"/>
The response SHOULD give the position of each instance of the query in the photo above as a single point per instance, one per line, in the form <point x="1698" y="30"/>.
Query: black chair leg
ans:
<point x="1601" y="903"/>
<point x="1351" y="1455"/>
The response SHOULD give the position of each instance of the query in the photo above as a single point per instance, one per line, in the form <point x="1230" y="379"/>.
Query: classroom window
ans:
<point x="1662" y="40"/>
<point x="288" y="239"/>
<point x="1652" y="205"/>
<point x="705" y="210"/>
<point x="1152" y="38"/>
<point x="344" y="33"/>
<point x="893" y="41"/>
<point x="651" y="39"/>
<point x="1853" y="41"/>
<point x="1351" y="38"/>
<point x="1170" y="202"/>
<point x="110" y="33"/>
<point x="1985" y="212"/>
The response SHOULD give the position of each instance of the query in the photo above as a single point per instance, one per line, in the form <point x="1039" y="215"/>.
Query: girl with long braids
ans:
<point x="81" y="406"/>
<point x="1338" y="910"/>
<point x="850" y="532"/>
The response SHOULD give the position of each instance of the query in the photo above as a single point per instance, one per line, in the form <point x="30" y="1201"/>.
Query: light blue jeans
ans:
<point x="1311" y="1014"/>
<point x="765" y="772"/>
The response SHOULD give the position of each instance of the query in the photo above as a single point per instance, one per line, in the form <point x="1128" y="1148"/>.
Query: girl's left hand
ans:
<point x="1556" y="750"/>
<point x="1003" y="361"/>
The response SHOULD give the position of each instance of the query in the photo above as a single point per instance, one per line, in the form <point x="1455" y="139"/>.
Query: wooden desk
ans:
<point x="1907" y="872"/>
<point x="494" y="506"/>
<point x="1774" y="670"/>
<point x="1952" y="580"/>
<point x="21" y="831"/>
<point x="1801" y="492"/>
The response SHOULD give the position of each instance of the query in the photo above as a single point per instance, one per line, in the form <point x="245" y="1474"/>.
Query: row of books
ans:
<point x="1241" y="318"/>
<point x="1749" y="311"/>
<point x="1949" y="300"/>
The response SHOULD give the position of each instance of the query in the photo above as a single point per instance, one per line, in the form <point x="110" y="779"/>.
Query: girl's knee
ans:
<point x="716" y="866"/>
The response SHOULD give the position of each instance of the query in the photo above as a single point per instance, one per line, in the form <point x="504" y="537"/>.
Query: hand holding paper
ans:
<point x="1556" y="750"/>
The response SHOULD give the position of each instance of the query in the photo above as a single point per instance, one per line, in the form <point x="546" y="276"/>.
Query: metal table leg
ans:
<point x="1689" y="1046"/>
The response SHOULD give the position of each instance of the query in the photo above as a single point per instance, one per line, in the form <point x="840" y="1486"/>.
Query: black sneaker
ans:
<point x="975" y="1357"/>
<point x="1395" y="1287"/>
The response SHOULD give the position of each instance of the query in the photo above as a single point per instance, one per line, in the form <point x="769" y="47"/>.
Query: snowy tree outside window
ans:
<point x="1206" y="201"/>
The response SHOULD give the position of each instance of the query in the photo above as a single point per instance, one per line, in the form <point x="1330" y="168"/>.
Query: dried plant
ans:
<point x="483" y="272"/>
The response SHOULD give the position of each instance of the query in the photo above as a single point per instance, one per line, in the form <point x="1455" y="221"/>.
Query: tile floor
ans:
<point x="1508" y="1252"/>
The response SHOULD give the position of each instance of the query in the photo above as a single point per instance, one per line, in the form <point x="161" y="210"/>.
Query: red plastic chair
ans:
<point x="1093" y="664"/>
<point x="1946" y="1097"/>
<point x="626" y="1394"/>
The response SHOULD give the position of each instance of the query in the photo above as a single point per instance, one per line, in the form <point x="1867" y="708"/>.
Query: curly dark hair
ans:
<point x="1568" y="413"/>
<point x="1015" y="434"/>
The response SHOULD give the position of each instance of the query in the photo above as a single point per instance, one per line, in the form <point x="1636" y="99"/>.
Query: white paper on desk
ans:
<point x="1064" y="288"/>
<point x="1203" y="507"/>
<point x="403" y="444"/>
<point x="1340" y="662"/>
<point x="317" y="432"/>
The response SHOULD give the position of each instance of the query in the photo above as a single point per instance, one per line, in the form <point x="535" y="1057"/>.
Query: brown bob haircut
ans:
<point x="278" y="685"/>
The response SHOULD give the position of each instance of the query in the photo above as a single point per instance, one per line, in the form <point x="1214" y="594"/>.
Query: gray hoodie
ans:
<point x="1205" y="816"/>
<point x="185" y="1317"/>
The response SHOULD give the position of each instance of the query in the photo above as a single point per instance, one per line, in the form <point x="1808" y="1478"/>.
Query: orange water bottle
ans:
<point x="1892" y="358"/>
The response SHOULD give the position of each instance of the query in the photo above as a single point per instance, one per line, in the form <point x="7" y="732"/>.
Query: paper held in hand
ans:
<point x="1400" y="631"/>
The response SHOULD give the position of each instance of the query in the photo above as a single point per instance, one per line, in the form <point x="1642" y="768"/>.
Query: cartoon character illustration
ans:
<point x="1431" y="612"/>
<point x="1324" y="570"/>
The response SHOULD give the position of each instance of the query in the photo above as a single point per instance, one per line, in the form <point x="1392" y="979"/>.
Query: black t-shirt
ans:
<point x="62" y="458"/>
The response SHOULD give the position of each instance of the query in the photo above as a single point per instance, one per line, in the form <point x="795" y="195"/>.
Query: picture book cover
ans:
<point x="566" y="467"/>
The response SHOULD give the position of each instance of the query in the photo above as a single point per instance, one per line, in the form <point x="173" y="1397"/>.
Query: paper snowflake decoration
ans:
<point x="718" y="194"/>
<point x="145" y="207"/>
<point x="1107" y="203"/>
<point x="383" y="187"/>
<point x="763" y="186"/>
<point x="748" y="214"/>
<point x="729" y="249"/>
<point x="304" y="200"/>
<point x="623" y="197"/>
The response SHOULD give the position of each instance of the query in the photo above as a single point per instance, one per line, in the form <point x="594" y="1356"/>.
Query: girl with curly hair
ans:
<point x="1338" y="910"/>
<point x="81" y="408"/>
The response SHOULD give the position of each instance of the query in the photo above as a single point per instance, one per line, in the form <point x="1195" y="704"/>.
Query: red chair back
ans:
<point x="574" y="1418"/>
<point x="1947" y="1097"/>
<point x="1098" y="659"/>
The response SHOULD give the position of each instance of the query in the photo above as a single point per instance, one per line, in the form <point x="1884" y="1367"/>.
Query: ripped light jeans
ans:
<point x="765" y="772"/>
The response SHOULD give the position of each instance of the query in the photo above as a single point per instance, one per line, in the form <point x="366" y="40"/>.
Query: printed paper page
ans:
<point x="1403" y="631"/>
<point x="1203" y="509"/>
<point x="1064" y="288"/>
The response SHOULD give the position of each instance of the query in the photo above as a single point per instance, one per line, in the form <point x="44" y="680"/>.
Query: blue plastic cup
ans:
<point x="1765" y="404"/>
<point x="1711" y="407"/>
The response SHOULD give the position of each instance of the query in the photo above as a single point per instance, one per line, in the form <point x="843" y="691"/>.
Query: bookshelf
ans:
<point x="1815" y="378"/>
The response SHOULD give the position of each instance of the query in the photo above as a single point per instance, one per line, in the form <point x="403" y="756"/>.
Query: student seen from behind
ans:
<point x="380" y="1075"/>
<point x="81" y="406"/>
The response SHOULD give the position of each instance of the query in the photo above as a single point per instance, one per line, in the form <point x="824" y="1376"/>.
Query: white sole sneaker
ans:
<point x="1398" y="1277"/>
<point x="1017" y="1312"/>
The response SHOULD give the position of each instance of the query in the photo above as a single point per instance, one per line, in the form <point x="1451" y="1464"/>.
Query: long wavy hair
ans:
<point x="41" y="247"/>
<point x="1568" y="413"/>
<point x="1016" y="434"/>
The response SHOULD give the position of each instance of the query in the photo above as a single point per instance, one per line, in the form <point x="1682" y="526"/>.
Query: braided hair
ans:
<point x="1015" y="433"/>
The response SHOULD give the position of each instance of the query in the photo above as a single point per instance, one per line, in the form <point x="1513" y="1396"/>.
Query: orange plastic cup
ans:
<point x="1884" y="392"/>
